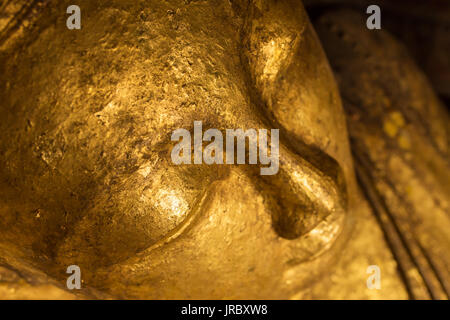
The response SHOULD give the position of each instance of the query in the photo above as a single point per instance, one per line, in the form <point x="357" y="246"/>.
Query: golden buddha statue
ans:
<point x="87" y="178"/>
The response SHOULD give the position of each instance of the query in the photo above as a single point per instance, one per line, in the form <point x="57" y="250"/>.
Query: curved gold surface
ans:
<point x="87" y="179"/>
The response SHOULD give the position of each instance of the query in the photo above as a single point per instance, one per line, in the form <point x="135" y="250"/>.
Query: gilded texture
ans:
<point x="87" y="178"/>
<point x="400" y="134"/>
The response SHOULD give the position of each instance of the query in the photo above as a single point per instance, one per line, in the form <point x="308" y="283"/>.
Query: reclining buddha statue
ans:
<point x="86" y="176"/>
